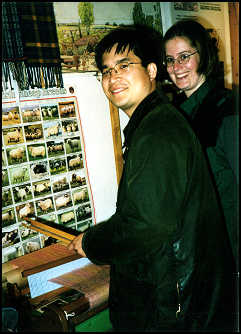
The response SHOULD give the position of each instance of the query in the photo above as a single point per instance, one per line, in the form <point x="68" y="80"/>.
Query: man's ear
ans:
<point x="152" y="71"/>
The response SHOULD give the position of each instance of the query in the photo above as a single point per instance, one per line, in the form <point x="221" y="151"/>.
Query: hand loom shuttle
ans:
<point x="59" y="232"/>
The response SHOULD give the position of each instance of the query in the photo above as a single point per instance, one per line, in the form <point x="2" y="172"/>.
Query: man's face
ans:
<point x="126" y="90"/>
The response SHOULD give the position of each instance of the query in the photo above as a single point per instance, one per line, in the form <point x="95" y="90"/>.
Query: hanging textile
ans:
<point x="30" y="46"/>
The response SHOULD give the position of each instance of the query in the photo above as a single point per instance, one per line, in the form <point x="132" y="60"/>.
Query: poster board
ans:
<point x="67" y="139"/>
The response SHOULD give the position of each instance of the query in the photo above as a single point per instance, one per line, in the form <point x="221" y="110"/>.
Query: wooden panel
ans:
<point x="116" y="134"/>
<point x="234" y="36"/>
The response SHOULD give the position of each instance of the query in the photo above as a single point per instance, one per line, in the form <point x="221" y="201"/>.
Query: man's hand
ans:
<point x="76" y="245"/>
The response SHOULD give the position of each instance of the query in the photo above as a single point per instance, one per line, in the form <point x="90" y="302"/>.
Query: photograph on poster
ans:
<point x="44" y="173"/>
<point x="33" y="132"/>
<point x="70" y="126"/>
<point x="5" y="180"/>
<point x="191" y="6"/>
<point x="22" y="193"/>
<point x="16" y="154"/>
<point x="36" y="151"/>
<point x="49" y="112"/>
<point x="10" y="116"/>
<point x="6" y="197"/>
<point x="60" y="183"/>
<point x="4" y="163"/>
<point x="13" y="135"/>
<point x="8" y="217"/>
<point x="55" y="148"/>
<point x="30" y="114"/>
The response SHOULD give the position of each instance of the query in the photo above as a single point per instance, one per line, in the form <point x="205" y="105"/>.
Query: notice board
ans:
<point x="60" y="158"/>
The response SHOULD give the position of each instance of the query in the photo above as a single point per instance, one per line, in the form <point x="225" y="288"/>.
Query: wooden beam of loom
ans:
<point x="116" y="134"/>
<point x="51" y="229"/>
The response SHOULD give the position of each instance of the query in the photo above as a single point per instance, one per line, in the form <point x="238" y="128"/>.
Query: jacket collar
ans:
<point x="191" y="104"/>
<point x="146" y="106"/>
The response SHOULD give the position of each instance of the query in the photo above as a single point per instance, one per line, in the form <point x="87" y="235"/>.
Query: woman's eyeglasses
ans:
<point x="182" y="59"/>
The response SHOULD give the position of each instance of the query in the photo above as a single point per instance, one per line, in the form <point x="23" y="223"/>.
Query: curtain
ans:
<point x="30" y="49"/>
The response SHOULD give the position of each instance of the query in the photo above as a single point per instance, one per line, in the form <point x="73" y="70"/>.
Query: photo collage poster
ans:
<point x="44" y="171"/>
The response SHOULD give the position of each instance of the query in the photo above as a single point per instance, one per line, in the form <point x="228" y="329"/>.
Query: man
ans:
<point x="166" y="244"/>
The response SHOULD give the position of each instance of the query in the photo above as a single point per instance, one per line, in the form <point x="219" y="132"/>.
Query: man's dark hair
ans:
<point x="144" y="41"/>
<point x="199" y="39"/>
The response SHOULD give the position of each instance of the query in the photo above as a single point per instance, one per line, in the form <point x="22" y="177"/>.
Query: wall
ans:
<point x="96" y="126"/>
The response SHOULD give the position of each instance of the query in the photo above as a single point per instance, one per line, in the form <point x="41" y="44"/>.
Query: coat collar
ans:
<point x="191" y="104"/>
<point x="145" y="107"/>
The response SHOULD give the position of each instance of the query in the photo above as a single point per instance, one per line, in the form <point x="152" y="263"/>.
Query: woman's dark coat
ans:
<point x="171" y="265"/>
<point x="212" y="113"/>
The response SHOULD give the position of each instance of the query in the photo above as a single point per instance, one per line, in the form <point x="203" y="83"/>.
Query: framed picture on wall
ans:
<point x="81" y="25"/>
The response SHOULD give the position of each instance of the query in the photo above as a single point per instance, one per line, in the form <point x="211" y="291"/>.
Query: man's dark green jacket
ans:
<point x="171" y="265"/>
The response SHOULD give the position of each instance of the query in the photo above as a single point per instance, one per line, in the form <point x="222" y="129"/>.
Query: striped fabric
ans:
<point x="30" y="45"/>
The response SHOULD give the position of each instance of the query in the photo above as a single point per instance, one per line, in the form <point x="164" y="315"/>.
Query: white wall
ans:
<point x="97" y="132"/>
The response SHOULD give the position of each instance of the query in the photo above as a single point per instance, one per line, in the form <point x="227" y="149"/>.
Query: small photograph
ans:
<point x="72" y="145"/>
<point x="44" y="206"/>
<point x="190" y="6"/>
<point x="55" y="148"/>
<point x="60" y="183"/>
<point x="16" y="155"/>
<point x="10" y="116"/>
<point x="5" y="181"/>
<point x="67" y="109"/>
<point x="12" y="136"/>
<point x="51" y="217"/>
<point x="10" y="238"/>
<point x="57" y="166"/>
<point x="26" y="233"/>
<point x="70" y="126"/>
<point x="49" y="112"/>
<point x="83" y="212"/>
<point x="81" y="227"/>
<point x="52" y="130"/>
<point x="75" y="162"/>
<point x="19" y="174"/>
<point x="25" y="210"/>
<point x="6" y="197"/>
<point x="12" y="253"/>
<point x="31" y="246"/>
<point x="31" y="113"/>
<point x="66" y="218"/>
<point x="22" y="193"/>
<point x="8" y="217"/>
<point x="41" y="188"/>
<point x="80" y="196"/>
<point x="39" y="170"/>
<point x="36" y="151"/>
<point x="4" y="161"/>
<point x="63" y="201"/>
<point x="78" y="179"/>
<point x="33" y="132"/>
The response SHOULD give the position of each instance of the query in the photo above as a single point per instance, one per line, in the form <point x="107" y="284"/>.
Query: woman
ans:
<point x="193" y="65"/>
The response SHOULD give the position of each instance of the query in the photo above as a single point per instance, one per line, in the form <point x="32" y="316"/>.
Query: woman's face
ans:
<point x="184" y="76"/>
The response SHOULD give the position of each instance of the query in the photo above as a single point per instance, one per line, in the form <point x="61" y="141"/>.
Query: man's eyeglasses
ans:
<point x="119" y="68"/>
<point x="182" y="59"/>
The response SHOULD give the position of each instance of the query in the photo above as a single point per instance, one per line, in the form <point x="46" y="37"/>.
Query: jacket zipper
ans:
<point x="179" y="300"/>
